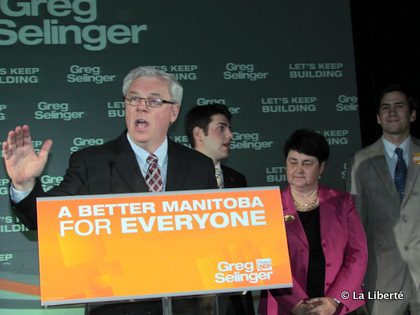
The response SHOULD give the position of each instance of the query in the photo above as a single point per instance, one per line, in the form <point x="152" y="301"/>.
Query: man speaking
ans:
<point x="141" y="159"/>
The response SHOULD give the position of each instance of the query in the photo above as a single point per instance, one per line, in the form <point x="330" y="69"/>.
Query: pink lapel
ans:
<point x="327" y="213"/>
<point x="291" y="216"/>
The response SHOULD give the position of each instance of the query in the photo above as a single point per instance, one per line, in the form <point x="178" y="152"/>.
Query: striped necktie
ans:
<point x="153" y="176"/>
<point x="219" y="177"/>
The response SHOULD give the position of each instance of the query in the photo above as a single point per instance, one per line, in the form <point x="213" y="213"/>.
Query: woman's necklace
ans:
<point x="307" y="206"/>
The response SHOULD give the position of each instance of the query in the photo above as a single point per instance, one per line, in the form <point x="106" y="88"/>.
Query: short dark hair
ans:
<point x="200" y="116"/>
<point x="398" y="87"/>
<point x="308" y="142"/>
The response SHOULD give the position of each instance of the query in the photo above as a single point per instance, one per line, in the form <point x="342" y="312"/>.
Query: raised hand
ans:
<point x="22" y="163"/>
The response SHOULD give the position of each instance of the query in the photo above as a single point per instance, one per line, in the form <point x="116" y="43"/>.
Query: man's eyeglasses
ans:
<point x="150" y="102"/>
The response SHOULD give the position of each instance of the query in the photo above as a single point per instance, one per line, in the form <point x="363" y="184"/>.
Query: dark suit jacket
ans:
<point x="232" y="178"/>
<point x="112" y="168"/>
<point x="235" y="304"/>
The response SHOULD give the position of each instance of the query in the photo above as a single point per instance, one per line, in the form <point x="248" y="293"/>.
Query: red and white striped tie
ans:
<point x="153" y="176"/>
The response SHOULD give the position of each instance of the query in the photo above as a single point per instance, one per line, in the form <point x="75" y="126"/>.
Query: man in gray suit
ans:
<point x="386" y="187"/>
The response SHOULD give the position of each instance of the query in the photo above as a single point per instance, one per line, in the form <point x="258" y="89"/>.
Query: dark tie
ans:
<point x="400" y="173"/>
<point x="153" y="176"/>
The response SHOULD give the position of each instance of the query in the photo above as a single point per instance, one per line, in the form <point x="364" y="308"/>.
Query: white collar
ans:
<point x="161" y="152"/>
<point x="390" y="147"/>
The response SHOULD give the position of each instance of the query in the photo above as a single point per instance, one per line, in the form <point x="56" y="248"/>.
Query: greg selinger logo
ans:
<point x="248" y="271"/>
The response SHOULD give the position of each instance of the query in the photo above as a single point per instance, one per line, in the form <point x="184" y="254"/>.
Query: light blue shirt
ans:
<point x="17" y="195"/>
<point x="161" y="153"/>
<point x="391" y="156"/>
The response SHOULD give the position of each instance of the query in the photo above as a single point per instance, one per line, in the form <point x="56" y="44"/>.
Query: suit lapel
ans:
<point x="228" y="181"/>
<point x="413" y="169"/>
<point x="327" y="213"/>
<point x="293" y="226"/>
<point x="177" y="168"/>
<point x="126" y="174"/>
<point x="379" y="164"/>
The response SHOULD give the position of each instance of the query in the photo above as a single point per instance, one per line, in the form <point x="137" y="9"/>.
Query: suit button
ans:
<point x="328" y="265"/>
<point x="404" y="218"/>
<point x="406" y="247"/>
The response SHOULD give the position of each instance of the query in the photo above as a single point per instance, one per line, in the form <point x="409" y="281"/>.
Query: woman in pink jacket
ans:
<point x="327" y="244"/>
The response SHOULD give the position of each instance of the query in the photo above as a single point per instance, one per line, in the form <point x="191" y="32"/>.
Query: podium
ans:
<point x="162" y="253"/>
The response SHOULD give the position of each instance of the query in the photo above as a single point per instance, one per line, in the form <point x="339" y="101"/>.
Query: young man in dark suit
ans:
<point x="208" y="131"/>
<point x="152" y="103"/>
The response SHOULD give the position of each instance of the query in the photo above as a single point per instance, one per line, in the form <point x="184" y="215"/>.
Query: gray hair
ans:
<point x="175" y="87"/>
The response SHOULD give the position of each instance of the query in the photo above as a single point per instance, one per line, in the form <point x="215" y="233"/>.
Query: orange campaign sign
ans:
<point x="137" y="246"/>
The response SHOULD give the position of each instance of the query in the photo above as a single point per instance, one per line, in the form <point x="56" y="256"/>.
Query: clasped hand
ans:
<point x="316" y="306"/>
